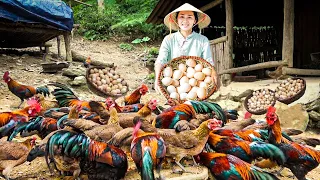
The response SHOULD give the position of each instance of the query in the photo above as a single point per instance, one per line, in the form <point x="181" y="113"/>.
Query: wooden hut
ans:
<point x="249" y="36"/>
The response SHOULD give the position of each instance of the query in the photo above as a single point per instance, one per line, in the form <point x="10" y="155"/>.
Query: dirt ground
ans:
<point x="26" y="69"/>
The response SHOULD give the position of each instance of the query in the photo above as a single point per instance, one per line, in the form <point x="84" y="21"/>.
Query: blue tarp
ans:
<point x="50" y="12"/>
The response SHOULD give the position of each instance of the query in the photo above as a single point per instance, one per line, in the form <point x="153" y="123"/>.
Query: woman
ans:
<point x="185" y="41"/>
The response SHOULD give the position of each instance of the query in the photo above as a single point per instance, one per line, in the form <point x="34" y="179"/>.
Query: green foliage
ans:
<point x="120" y="18"/>
<point x="151" y="76"/>
<point x="153" y="51"/>
<point x="126" y="46"/>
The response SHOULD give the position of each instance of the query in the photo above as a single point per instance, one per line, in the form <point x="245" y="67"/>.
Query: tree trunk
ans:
<point x="100" y="5"/>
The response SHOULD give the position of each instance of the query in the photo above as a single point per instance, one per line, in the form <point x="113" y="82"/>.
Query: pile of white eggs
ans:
<point x="189" y="81"/>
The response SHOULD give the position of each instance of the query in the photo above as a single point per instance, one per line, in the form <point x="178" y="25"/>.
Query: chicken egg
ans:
<point x="191" y="95"/>
<point x="171" y="89"/>
<point x="202" y="92"/>
<point x="199" y="76"/>
<point x="190" y="72"/>
<point x="208" y="79"/>
<point x="183" y="96"/>
<point x="177" y="74"/>
<point x="166" y="81"/>
<point x="184" y="79"/>
<point x="193" y="82"/>
<point x="198" y="67"/>
<point x="167" y="72"/>
<point x="191" y="63"/>
<point x="174" y="95"/>
<point x="175" y="83"/>
<point x="207" y="71"/>
<point x="185" y="87"/>
<point x="182" y="67"/>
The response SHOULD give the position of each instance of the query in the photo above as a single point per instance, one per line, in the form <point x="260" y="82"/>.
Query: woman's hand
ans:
<point x="215" y="78"/>
<point x="156" y="87"/>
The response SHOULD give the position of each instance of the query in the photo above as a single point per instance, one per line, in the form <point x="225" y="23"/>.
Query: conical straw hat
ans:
<point x="171" y="21"/>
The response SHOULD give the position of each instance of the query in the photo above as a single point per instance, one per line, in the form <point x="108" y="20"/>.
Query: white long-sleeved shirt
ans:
<point x="175" y="45"/>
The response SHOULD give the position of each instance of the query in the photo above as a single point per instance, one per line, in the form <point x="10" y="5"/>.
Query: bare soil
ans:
<point x="26" y="69"/>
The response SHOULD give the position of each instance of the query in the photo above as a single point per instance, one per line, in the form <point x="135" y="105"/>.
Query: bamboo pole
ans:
<point x="67" y="42"/>
<point x="219" y="40"/>
<point x="296" y="71"/>
<point x="252" y="67"/>
<point x="211" y="5"/>
<point x="288" y="32"/>
<point x="228" y="61"/>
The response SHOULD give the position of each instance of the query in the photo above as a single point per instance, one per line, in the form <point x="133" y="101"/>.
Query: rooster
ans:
<point x="97" y="159"/>
<point x="123" y="109"/>
<point x="275" y="75"/>
<point x="230" y="114"/>
<point x="66" y="97"/>
<point x="300" y="159"/>
<point x="13" y="154"/>
<point x="226" y="166"/>
<point x="23" y="91"/>
<point x="147" y="151"/>
<point x="245" y="150"/>
<point x="40" y="125"/>
<point x="187" y="111"/>
<point x="8" y="120"/>
<point x="126" y="119"/>
<point x="96" y="131"/>
<point x="136" y="95"/>
<point x="45" y="104"/>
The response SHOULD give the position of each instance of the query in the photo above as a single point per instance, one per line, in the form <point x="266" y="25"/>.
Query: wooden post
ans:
<point x="288" y="32"/>
<point x="228" y="61"/>
<point x="58" y="46"/>
<point x="67" y="41"/>
<point x="100" y="5"/>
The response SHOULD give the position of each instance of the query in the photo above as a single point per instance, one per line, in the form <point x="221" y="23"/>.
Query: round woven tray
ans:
<point x="298" y="95"/>
<point x="174" y="64"/>
<point x="256" y="112"/>
<point x="95" y="89"/>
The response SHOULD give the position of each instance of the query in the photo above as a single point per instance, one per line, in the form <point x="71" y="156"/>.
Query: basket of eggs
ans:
<point x="106" y="82"/>
<point x="187" y="78"/>
<point x="290" y="90"/>
<point x="259" y="100"/>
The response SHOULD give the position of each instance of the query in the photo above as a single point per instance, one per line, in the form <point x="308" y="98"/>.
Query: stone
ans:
<point x="315" y="116"/>
<point x="78" y="81"/>
<point x="292" y="116"/>
<point x="229" y="104"/>
<point x="74" y="71"/>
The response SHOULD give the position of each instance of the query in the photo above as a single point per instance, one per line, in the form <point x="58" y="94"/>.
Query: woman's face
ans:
<point x="186" y="20"/>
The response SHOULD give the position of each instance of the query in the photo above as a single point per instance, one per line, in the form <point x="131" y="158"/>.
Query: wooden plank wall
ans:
<point x="218" y="51"/>
<point x="307" y="32"/>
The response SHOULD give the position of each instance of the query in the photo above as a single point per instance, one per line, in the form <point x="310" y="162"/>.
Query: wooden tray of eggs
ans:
<point x="259" y="100"/>
<point x="187" y="78"/>
<point x="106" y="82"/>
<point x="290" y="90"/>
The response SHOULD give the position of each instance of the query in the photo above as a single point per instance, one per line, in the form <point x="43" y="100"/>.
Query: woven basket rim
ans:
<point x="261" y="111"/>
<point x="298" y="95"/>
<point x="196" y="58"/>
<point x="96" y="90"/>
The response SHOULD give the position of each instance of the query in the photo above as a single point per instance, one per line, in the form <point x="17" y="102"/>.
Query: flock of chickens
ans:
<point x="96" y="140"/>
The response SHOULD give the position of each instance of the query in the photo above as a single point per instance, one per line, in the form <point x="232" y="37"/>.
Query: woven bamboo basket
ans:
<point x="245" y="103"/>
<point x="95" y="89"/>
<point x="298" y="95"/>
<point x="174" y="65"/>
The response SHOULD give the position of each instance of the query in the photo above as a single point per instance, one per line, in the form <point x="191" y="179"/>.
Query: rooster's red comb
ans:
<point x="34" y="103"/>
<point x="271" y="109"/>
<point x="143" y="86"/>
<point x="6" y="74"/>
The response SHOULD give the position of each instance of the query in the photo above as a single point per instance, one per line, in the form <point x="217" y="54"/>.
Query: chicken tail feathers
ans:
<point x="43" y="90"/>
<point x="259" y="174"/>
<point x="147" y="165"/>
<point x="204" y="107"/>
<point x="7" y="129"/>
<point x="32" y="125"/>
<point x="63" y="94"/>
<point x="268" y="151"/>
